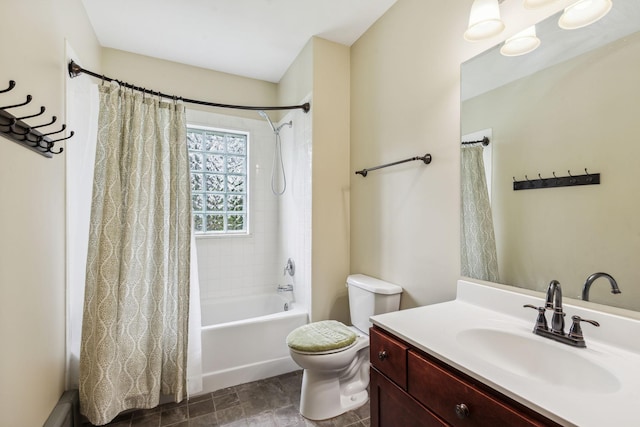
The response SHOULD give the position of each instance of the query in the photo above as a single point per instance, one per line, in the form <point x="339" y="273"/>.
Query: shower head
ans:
<point x="266" y="117"/>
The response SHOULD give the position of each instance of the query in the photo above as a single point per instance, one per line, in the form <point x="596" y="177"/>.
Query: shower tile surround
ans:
<point x="253" y="264"/>
<point x="272" y="402"/>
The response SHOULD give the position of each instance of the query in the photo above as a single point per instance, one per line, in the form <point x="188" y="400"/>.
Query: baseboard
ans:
<point x="66" y="413"/>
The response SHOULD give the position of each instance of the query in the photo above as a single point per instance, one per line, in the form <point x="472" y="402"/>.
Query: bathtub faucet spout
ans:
<point x="289" y="297"/>
<point x="285" y="288"/>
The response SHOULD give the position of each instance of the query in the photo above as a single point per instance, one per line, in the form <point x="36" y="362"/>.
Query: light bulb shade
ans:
<point x="523" y="42"/>
<point x="484" y="20"/>
<point x="583" y="13"/>
<point x="535" y="4"/>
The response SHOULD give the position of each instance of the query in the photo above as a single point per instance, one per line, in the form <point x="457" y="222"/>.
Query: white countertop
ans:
<point x="599" y="385"/>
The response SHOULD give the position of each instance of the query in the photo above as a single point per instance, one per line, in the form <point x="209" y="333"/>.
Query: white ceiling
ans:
<point x="250" y="38"/>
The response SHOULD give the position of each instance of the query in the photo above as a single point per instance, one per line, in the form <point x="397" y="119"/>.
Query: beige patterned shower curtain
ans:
<point x="479" y="259"/>
<point x="135" y="324"/>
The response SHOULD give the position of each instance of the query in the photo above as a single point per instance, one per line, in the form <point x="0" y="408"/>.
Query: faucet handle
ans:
<point x="541" y="322"/>
<point x="576" y="330"/>
<point x="290" y="268"/>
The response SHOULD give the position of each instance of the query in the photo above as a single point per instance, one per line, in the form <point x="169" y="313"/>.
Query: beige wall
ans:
<point x="297" y="82"/>
<point x="32" y="214"/>
<point x="405" y="102"/>
<point x="549" y="123"/>
<point x="330" y="181"/>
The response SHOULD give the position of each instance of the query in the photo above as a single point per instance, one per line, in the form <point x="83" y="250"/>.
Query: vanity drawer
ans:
<point x="389" y="356"/>
<point x="392" y="407"/>
<point x="444" y="393"/>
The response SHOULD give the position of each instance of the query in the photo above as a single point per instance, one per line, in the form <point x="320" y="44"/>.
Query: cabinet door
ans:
<point x="392" y="407"/>
<point x="445" y="393"/>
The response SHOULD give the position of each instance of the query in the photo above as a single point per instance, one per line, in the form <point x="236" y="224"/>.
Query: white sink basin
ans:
<point x="539" y="359"/>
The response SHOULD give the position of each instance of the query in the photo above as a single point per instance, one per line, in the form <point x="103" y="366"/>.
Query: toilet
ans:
<point x="335" y="357"/>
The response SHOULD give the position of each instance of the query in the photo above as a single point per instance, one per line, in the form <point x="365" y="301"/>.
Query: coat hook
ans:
<point x="42" y="109"/>
<point x="569" y="172"/>
<point x="53" y="120"/>
<point x="514" y="179"/>
<point x="29" y="98"/>
<point x="58" y="131"/>
<point x="543" y="180"/>
<point x="50" y="143"/>
<point x="13" y="130"/>
<point x="57" y="152"/>
<point x="42" y="144"/>
<point x="586" y="171"/>
<point x="43" y="147"/>
<point x="12" y="84"/>
<point x="554" y="174"/>
<point x="33" y="142"/>
<point x="527" y="178"/>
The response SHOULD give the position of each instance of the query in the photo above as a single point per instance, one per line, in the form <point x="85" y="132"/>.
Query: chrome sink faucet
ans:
<point x="556" y="333"/>
<point x="585" y="289"/>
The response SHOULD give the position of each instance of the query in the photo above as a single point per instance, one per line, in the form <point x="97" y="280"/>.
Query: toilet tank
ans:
<point x="369" y="296"/>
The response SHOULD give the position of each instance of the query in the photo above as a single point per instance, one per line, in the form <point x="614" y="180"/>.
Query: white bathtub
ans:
<point x="243" y="339"/>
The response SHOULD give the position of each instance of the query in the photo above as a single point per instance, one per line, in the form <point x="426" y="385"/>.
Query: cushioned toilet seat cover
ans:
<point x="321" y="336"/>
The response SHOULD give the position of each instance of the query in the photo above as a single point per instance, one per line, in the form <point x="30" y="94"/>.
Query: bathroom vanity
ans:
<point x="411" y="388"/>
<point x="475" y="362"/>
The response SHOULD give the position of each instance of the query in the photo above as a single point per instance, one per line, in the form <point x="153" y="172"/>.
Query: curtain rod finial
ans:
<point x="74" y="69"/>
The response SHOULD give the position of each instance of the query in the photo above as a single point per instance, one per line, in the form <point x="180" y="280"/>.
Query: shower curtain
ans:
<point x="136" y="310"/>
<point x="478" y="246"/>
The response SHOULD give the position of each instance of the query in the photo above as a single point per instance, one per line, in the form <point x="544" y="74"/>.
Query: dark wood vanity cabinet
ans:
<point x="412" y="389"/>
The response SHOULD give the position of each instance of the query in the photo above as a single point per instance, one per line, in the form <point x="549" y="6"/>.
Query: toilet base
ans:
<point x="326" y="395"/>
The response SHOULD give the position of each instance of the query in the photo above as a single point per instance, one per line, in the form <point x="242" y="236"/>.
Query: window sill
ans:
<point x="205" y="236"/>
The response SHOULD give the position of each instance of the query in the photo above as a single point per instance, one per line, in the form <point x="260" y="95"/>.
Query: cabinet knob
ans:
<point x="462" y="410"/>
<point x="382" y="354"/>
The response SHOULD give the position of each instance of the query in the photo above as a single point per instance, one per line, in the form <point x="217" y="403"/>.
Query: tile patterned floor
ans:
<point x="272" y="402"/>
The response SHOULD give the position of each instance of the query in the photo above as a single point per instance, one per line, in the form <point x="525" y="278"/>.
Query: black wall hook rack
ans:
<point x="15" y="129"/>
<point x="426" y="159"/>
<point x="557" y="181"/>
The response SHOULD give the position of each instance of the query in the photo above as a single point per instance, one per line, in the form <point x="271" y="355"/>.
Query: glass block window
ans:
<point x="219" y="181"/>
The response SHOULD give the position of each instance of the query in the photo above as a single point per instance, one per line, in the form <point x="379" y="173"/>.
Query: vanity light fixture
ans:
<point x="535" y="4"/>
<point x="521" y="43"/>
<point x="484" y="20"/>
<point x="583" y="13"/>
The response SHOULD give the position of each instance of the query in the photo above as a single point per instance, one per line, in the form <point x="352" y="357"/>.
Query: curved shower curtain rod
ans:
<point x="75" y="70"/>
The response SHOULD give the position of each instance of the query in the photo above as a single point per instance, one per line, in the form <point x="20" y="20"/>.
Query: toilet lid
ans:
<point x="321" y="336"/>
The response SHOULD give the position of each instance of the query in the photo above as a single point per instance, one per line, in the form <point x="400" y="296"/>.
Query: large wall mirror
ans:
<point x="570" y="105"/>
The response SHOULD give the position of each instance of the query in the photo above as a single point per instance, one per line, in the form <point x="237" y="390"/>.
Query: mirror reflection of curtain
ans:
<point x="478" y="244"/>
<point x="135" y="324"/>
